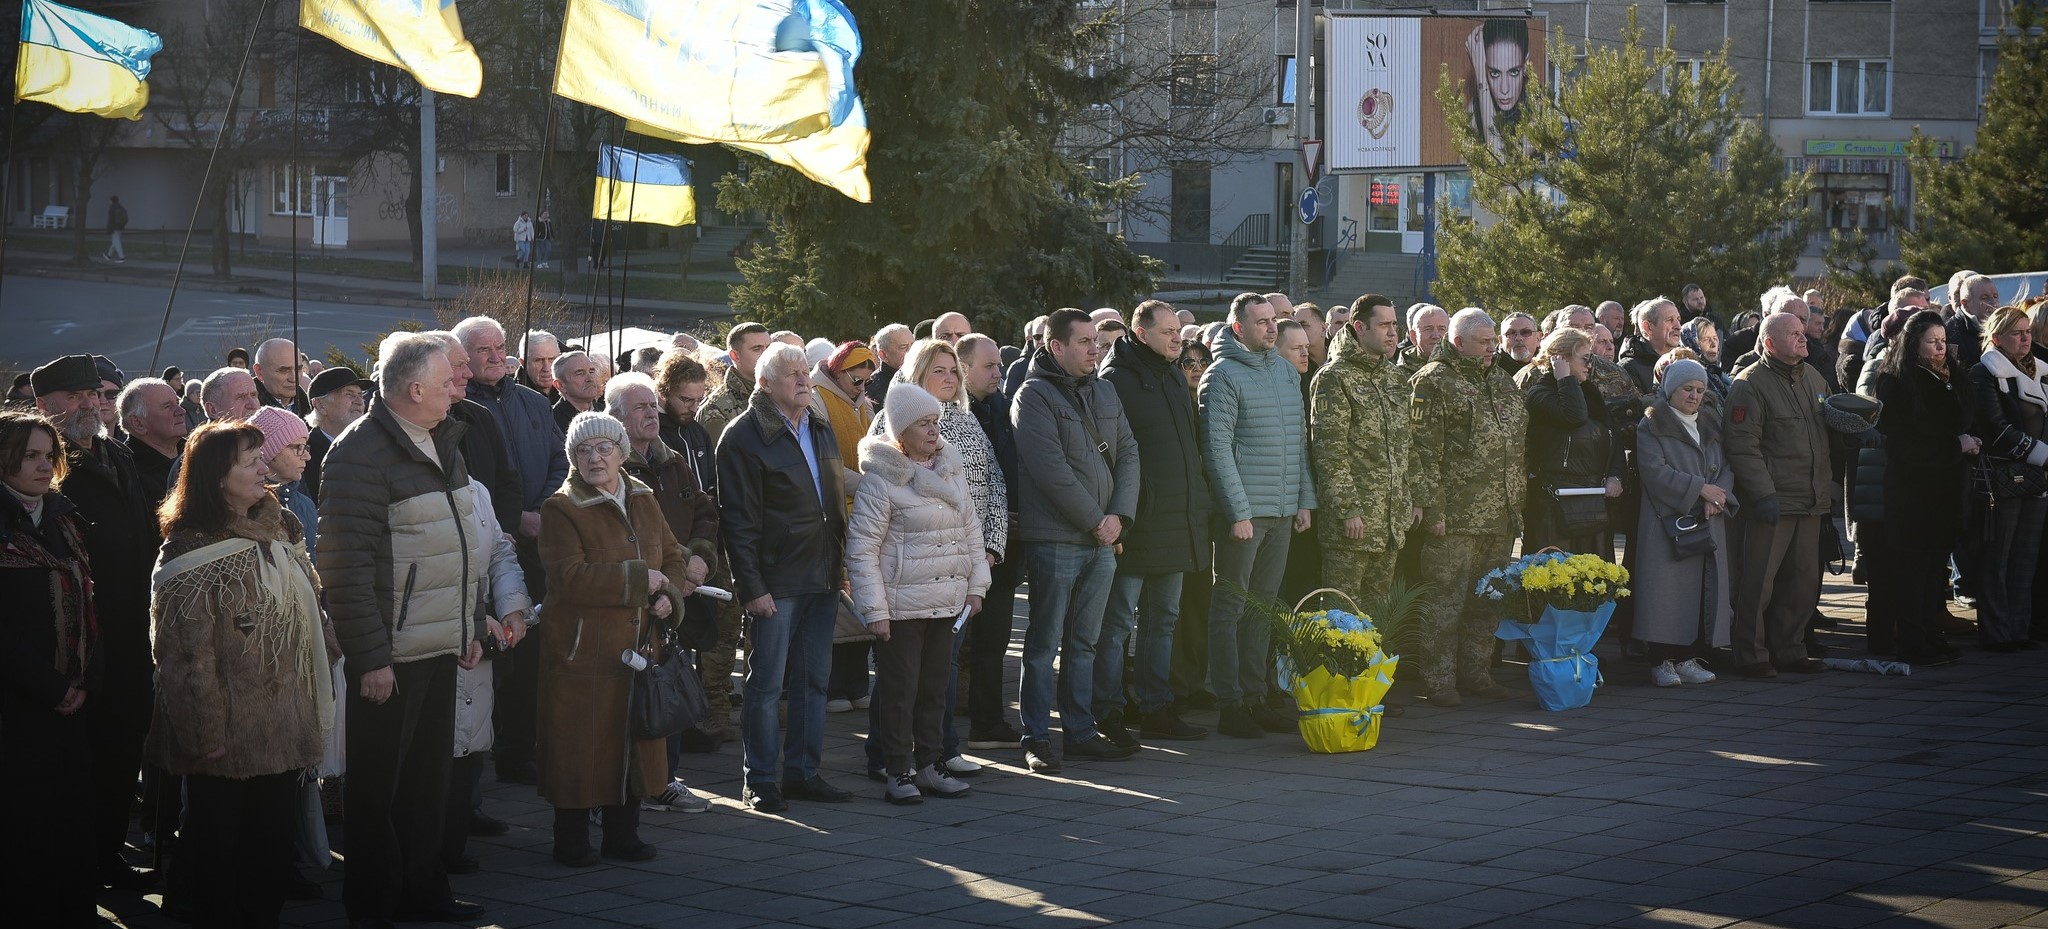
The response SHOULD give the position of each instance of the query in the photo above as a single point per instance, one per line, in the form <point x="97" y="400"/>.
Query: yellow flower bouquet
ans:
<point x="1336" y="664"/>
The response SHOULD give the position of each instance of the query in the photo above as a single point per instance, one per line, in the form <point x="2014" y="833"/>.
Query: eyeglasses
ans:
<point x="859" y="381"/>
<point x="299" y="448"/>
<point x="1190" y="363"/>
<point x="110" y="395"/>
<point x="600" y="449"/>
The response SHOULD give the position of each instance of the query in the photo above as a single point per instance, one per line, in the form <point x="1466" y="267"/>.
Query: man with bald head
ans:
<point x="1778" y="447"/>
<point x="950" y="328"/>
<point x="276" y="369"/>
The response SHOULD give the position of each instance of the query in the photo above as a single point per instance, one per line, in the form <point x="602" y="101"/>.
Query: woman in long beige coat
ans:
<point x="608" y="552"/>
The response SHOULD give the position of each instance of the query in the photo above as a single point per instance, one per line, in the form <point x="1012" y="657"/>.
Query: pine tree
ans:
<point x="1637" y="179"/>
<point x="1988" y="211"/>
<point x="975" y="207"/>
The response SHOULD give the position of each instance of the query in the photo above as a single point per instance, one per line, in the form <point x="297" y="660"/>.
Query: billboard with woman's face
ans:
<point x="1383" y="77"/>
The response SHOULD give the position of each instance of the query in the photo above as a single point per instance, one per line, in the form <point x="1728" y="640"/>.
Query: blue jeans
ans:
<point x="1069" y="588"/>
<point x="1155" y="600"/>
<point x="524" y="251"/>
<point x="798" y="640"/>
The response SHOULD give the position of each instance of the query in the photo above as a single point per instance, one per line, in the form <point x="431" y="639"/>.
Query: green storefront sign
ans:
<point x="1869" y="148"/>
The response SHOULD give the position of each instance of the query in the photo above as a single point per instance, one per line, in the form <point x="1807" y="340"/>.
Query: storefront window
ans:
<point x="1853" y="201"/>
<point x="1383" y="203"/>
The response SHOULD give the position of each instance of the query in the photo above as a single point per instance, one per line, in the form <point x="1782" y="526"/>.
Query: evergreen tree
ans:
<point x="1988" y="211"/>
<point x="975" y="207"/>
<point x="1639" y="178"/>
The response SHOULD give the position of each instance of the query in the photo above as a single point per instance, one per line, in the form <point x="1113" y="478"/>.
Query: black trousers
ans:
<point x="236" y="832"/>
<point x="118" y="719"/>
<point x="47" y="875"/>
<point x="988" y="643"/>
<point x="1921" y="586"/>
<point x="399" y="753"/>
<point x="465" y="776"/>
<point x="517" y="677"/>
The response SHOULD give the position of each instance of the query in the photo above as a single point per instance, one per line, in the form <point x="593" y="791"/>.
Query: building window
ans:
<point x="1849" y="87"/>
<point x="1190" y="204"/>
<point x="291" y="189"/>
<point x="1194" y="80"/>
<point x="1286" y="81"/>
<point x="504" y="176"/>
<point x="1987" y="67"/>
<point x="1860" y="202"/>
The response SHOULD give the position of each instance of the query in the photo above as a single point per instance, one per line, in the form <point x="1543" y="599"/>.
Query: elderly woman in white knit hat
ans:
<point x="609" y="553"/>
<point x="914" y="556"/>
<point x="1681" y="575"/>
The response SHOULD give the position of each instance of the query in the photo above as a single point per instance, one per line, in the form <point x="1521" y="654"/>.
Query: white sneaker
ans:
<point x="839" y="705"/>
<point x="1690" y="672"/>
<point x="959" y="766"/>
<point x="676" y="799"/>
<point x="902" y="789"/>
<point x="861" y="703"/>
<point x="932" y="780"/>
<point x="1665" y="675"/>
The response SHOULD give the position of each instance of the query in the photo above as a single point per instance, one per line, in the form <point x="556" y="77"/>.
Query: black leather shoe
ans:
<point x="1804" y="666"/>
<point x="124" y="877"/>
<point x="1165" y="724"/>
<point x="1761" y="671"/>
<point x="585" y="857"/>
<point x="641" y="851"/>
<point x="815" y="789"/>
<point x="1113" y="730"/>
<point x="1237" y="723"/>
<point x="766" y="798"/>
<point x="484" y="824"/>
<point x="450" y="910"/>
<point x="1273" y="720"/>
<point x="1099" y="748"/>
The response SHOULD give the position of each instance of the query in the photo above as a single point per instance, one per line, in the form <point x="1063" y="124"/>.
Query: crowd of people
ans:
<point x="284" y="588"/>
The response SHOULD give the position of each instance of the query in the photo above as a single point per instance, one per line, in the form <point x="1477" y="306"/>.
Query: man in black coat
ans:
<point x="121" y="541"/>
<point x="1170" y="536"/>
<point x="988" y="633"/>
<point x="1656" y="332"/>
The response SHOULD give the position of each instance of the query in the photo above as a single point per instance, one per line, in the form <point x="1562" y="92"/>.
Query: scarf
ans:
<point x="1691" y="422"/>
<point x="78" y="628"/>
<point x="34" y="506"/>
<point x="2028" y="384"/>
<point x="261" y="578"/>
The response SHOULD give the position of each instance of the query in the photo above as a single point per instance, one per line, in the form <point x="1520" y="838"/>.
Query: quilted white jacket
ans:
<point x="913" y="543"/>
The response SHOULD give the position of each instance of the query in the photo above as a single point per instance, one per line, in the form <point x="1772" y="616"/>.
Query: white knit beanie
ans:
<point x="907" y="404"/>
<point x="587" y="426"/>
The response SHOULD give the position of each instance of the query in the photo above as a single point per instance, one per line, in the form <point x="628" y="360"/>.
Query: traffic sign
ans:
<point x="1308" y="206"/>
<point x="1312" y="155"/>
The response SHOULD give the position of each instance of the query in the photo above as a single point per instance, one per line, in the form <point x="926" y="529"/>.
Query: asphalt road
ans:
<point x="46" y="318"/>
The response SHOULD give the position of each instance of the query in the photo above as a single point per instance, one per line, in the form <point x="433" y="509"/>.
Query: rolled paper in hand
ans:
<point x="633" y="659"/>
<point x="960" y="622"/>
<point x="714" y="593"/>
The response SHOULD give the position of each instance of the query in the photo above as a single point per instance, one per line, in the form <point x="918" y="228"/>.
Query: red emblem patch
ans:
<point x="1738" y="414"/>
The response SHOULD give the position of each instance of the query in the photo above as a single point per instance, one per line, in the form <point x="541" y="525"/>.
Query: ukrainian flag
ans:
<point x="83" y="62"/>
<point x="422" y="36"/>
<point x="836" y="157"/>
<point x="637" y="187"/>
<point x="711" y="70"/>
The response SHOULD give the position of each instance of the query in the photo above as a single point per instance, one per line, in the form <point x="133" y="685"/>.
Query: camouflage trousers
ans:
<point x="1457" y="627"/>
<point x="1362" y="575"/>
<point x="716" y="666"/>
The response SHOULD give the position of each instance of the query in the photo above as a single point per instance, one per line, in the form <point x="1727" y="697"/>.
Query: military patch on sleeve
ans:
<point x="1738" y="414"/>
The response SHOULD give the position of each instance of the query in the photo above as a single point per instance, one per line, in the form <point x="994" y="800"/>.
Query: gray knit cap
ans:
<point x="1678" y="374"/>
<point x="587" y="426"/>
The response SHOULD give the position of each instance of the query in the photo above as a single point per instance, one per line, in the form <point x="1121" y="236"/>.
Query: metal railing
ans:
<point x="1255" y="230"/>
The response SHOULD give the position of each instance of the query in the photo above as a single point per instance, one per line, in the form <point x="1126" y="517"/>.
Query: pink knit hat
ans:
<point x="281" y="427"/>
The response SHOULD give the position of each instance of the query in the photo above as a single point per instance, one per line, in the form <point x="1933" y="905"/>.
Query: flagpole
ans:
<point x="178" y="272"/>
<point x="540" y="188"/>
<point x="625" y="271"/>
<point x="430" y="211"/>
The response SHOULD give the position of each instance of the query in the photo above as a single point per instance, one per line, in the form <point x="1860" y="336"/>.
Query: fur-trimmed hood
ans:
<point x="880" y="457"/>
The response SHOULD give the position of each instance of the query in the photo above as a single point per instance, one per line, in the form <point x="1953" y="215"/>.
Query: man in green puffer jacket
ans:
<point x="1255" y="446"/>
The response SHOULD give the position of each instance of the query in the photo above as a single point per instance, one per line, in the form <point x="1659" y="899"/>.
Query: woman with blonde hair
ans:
<point x="2008" y="392"/>
<point x="1570" y="447"/>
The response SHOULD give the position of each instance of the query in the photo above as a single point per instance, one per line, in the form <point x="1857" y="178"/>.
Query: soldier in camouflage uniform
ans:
<point x="1427" y="324"/>
<point x="1358" y="409"/>
<point x="744" y="344"/>
<point x="1469" y="423"/>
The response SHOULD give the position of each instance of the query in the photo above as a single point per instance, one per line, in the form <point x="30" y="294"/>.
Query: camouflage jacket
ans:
<point x="1469" y="423"/>
<point x="725" y="403"/>
<point x="1359" y="444"/>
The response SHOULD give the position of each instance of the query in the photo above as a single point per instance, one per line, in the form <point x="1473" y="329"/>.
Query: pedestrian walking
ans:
<point x="117" y="220"/>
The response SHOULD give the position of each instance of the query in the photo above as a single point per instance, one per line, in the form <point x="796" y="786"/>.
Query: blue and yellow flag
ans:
<point x="838" y="156"/>
<point x="712" y="70"/>
<point x="636" y="187"/>
<point x="422" y="36"/>
<point x="83" y="62"/>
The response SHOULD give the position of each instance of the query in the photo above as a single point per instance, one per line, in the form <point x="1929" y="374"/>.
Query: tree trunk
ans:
<point x="413" y="206"/>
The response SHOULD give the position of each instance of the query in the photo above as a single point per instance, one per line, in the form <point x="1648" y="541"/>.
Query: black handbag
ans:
<point x="1577" y="514"/>
<point x="1690" y="534"/>
<point x="2017" y="480"/>
<point x="668" y="697"/>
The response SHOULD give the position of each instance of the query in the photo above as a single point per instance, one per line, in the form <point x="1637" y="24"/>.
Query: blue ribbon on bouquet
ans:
<point x="1579" y="662"/>
<point x="1361" y="719"/>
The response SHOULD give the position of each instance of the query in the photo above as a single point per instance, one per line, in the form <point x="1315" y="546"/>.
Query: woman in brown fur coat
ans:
<point x="608" y="552"/>
<point x="242" y="694"/>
